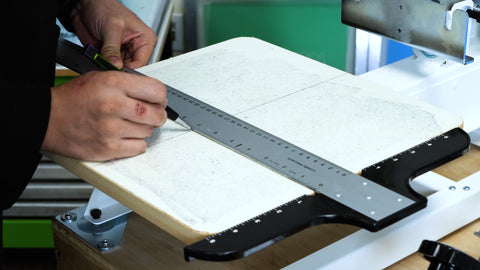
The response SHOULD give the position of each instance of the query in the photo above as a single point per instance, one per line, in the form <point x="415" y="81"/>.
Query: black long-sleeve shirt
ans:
<point x="27" y="58"/>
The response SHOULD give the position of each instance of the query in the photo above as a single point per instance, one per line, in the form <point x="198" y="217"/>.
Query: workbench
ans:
<point x="282" y="83"/>
<point x="146" y="246"/>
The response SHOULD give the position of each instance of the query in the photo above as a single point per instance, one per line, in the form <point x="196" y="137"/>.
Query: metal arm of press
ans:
<point x="440" y="27"/>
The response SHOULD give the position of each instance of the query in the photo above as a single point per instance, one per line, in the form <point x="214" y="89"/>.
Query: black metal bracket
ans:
<point x="394" y="173"/>
<point x="445" y="257"/>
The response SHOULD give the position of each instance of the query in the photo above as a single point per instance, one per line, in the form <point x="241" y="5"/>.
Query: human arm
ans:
<point x="31" y="105"/>
<point x="90" y="116"/>
<point x="26" y="75"/>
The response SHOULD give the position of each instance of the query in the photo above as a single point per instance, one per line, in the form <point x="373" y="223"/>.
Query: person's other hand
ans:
<point x="121" y="35"/>
<point x="104" y="115"/>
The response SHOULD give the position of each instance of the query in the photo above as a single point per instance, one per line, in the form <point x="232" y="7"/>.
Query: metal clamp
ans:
<point x="101" y="223"/>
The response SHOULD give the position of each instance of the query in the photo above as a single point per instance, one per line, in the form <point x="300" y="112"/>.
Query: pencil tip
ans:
<point x="183" y="123"/>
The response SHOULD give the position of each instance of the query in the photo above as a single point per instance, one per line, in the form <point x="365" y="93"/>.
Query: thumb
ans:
<point x="112" y="44"/>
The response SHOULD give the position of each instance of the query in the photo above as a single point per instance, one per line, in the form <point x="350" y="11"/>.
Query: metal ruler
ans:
<point x="358" y="200"/>
<point x="308" y="169"/>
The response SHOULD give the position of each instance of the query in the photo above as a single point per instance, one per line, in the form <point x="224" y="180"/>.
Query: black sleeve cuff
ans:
<point x="27" y="118"/>
<point x="64" y="11"/>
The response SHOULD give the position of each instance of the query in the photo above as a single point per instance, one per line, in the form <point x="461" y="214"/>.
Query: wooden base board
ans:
<point x="146" y="246"/>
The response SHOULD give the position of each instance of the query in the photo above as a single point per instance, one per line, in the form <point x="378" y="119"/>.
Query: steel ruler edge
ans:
<point x="287" y="159"/>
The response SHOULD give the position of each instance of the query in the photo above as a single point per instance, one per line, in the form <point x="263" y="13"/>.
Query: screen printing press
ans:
<point x="292" y="163"/>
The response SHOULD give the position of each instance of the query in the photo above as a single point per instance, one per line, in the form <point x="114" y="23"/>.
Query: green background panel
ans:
<point x="62" y="79"/>
<point x="310" y="28"/>
<point x="27" y="233"/>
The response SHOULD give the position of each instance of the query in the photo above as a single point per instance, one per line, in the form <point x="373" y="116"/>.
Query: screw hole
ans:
<point x="59" y="254"/>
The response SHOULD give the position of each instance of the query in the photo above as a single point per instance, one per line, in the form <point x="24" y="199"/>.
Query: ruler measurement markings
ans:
<point x="286" y="159"/>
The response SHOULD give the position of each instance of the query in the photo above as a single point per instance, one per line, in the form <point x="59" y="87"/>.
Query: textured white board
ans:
<point x="337" y="116"/>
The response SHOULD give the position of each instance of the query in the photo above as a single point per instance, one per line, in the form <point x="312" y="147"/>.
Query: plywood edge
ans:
<point x="61" y="72"/>
<point x="156" y="216"/>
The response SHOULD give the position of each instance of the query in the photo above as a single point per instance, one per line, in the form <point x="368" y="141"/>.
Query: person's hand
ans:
<point x="104" y="115"/>
<point x="121" y="35"/>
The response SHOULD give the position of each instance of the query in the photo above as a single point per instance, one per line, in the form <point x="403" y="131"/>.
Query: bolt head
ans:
<point x="69" y="217"/>
<point x="96" y="213"/>
<point x="105" y="245"/>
